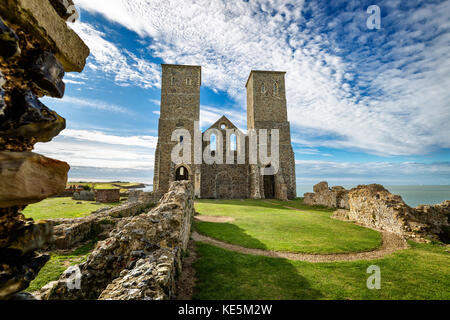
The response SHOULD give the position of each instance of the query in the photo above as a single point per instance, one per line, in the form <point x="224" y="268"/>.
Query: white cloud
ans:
<point x="97" y="149"/>
<point x="403" y="109"/>
<point x="125" y="67"/>
<point x="92" y="103"/>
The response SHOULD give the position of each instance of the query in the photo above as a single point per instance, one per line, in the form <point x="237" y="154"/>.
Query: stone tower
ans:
<point x="180" y="108"/>
<point x="267" y="109"/>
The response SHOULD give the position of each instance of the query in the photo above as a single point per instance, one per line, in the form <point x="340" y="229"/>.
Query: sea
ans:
<point x="412" y="195"/>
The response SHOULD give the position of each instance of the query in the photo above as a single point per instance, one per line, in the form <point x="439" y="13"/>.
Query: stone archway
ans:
<point x="181" y="174"/>
<point x="224" y="186"/>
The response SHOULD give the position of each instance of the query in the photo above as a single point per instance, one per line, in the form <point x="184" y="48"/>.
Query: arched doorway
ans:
<point x="269" y="187"/>
<point x="181" y="174"/>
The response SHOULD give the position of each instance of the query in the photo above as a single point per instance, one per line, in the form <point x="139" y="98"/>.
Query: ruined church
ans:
<point x="266" y="109"/>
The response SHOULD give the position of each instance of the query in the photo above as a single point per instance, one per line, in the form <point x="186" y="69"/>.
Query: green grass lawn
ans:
<point x="270" y="226"/>
<point x="54" y="208"/>
<point x="58" y="263"/>
<point x="421" y="272"/>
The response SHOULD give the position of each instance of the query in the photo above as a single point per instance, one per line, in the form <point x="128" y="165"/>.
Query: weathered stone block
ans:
<point x="65" y="8"/>
<point x="47" y="73"/>
<point x="16" y="276"/>
<point x="27" y="118"/>
<point x="321" y="186"/>
<point x="27" y="177"/>
<point x="40" y="19"/>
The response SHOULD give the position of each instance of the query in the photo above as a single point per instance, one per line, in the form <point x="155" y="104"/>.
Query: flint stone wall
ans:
<point x="140" y="259"/>
<point x="69" y="232"/>
<point x="84" y="196"/>
<point x="336" y="197"/>
<point x="107" y="195"/>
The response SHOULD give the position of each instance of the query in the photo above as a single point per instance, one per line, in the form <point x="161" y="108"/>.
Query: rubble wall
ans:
<point x="70" y="232"/>
<point x="139" y="260"/>
<point x="336" y="197"/>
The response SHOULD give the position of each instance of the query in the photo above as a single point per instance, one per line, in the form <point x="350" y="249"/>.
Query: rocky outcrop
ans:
<point x="376" y="207"/>
<point x="336" y="197"/>
<point x="140" y="259"/>
<point x="36" y="49"/>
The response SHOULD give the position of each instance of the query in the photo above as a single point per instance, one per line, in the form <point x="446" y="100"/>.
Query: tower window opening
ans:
<point x="181" y="139"/>
<point x="263" y="88"/>
<point x="276" y="89"/>
<point x="213" y="141"/>
<point x="172" y="81"/>
<point x="233" y="142"/>
<point x="188" y="81"/>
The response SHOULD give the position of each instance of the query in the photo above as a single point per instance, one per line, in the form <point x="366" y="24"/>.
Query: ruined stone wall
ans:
<point x="69" y="232"/>
<point x="225" y="181"/>
<point x="36" y="49"/>
<point x="107" y="195"/>
<point x="139" y="260"/>
<point x="180" y="107"/>
<point x="336" y="197"/>
<point x="376" y="207"/>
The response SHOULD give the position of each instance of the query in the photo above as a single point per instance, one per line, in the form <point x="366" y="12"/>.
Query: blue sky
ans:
<point x="365" y="105"/>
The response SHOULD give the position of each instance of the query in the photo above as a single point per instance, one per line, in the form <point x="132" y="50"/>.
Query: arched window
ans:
<point x="263" y="88"/>
<point x="188" y="81"/>
<point x="172" y="81"/>
<point x="233" y="142"/>
<point x="213" y="141"/>
<point x="181" y="174"/>
<point x="276" y="89"/>
<point x="181" y="139"/>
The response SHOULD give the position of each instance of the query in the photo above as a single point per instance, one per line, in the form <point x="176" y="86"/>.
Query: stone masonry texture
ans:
<point x="139" y="260"/>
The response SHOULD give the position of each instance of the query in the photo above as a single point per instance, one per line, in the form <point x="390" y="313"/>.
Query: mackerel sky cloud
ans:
<point x="354" y="95"/>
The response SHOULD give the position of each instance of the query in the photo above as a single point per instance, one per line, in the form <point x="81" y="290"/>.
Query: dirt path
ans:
<point x="214" y="219"/>
<point x="391" y="243"/>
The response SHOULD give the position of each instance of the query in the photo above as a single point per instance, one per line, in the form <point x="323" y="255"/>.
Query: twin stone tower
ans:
<point x="266" y="109"/>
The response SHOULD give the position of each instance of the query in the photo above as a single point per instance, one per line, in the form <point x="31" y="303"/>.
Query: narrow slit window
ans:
<point x="276" y="89"/>
<point x="233" y="142"/>
<point x="213" y="141"/>
<point x="263" y="88"/>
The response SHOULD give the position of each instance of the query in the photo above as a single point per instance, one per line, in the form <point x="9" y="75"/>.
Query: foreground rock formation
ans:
<point x="375" y="207"/>
<point x="36" y="49"/>
<point x="139" y="260"/>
